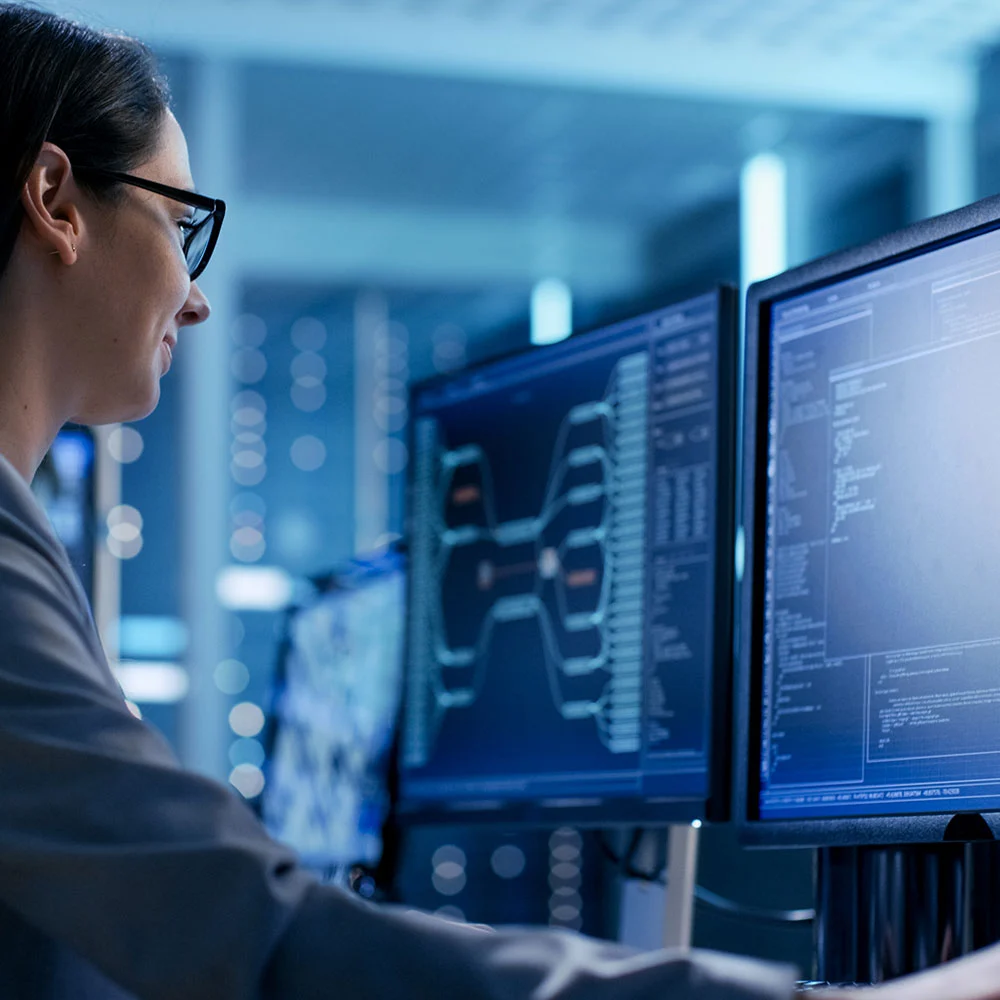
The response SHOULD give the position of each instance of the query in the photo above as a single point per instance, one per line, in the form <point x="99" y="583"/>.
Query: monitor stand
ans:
<point x="884" y="912"/>
<point x="652" y="915"/>
<point x="682" y="871"/>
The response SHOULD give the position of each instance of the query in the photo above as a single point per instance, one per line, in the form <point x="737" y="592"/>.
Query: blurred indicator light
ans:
<point x="254" y="588"/>
<point x="147" y="683"/>
<point x="551" y="311"/>
<point x="246" y="719"/>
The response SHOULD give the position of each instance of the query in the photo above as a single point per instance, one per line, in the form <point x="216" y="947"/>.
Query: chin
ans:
<point x="121" y="411"/>
<point x="143" y="409"/>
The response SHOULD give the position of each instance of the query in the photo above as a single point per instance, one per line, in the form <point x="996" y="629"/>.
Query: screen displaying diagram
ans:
<point x="562" y="554"/>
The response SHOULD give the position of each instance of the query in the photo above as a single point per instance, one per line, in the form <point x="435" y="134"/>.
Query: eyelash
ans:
<point x="185" y="227"/>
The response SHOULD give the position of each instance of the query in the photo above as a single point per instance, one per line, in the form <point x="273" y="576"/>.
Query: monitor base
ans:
<point x="884" y="912"/>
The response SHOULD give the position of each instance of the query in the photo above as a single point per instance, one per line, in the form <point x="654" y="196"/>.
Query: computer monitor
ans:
<point x="333" y="721"/>
<point x="869" y="665"/>
<point x="65" y="487"/>
<point x="569" y="636"/>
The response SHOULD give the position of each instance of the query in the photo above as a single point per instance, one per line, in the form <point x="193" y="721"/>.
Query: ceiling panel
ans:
<point x="910" y="29"/>
<point x="534" y="151"/>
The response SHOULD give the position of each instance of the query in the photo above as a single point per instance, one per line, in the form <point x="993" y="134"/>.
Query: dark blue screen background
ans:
<point x="510" y="742"/>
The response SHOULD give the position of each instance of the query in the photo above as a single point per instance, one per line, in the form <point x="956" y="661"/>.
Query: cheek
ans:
<point x="164" y="280"/>
<point x="143" y="283"/>
<point x="179" y="282"/>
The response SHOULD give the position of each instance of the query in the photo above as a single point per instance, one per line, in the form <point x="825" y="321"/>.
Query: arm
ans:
<point x="168" y="884"/>
<point x="974" y="977"/>
<point x="394" y="953"/>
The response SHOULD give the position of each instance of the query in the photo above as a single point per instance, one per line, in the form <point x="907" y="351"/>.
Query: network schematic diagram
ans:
<point x="560" y="568"/>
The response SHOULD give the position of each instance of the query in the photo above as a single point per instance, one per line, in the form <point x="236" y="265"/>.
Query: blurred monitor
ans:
<point x="65" y="487"/>
<point x="870" y="662"/>
<point x="333" y="720"/>
<point x="569" y="637"/>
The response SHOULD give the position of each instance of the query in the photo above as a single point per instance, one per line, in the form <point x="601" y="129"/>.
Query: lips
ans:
<point x="169" y="343"/>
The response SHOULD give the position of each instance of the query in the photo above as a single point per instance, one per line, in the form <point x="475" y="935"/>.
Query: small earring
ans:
<point x="55" y="253"/>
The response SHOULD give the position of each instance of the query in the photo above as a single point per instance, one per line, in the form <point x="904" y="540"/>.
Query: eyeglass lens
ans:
<point x="197" y="243"/>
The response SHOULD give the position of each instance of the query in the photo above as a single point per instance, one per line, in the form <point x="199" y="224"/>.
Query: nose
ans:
<point x="196" y="308"/>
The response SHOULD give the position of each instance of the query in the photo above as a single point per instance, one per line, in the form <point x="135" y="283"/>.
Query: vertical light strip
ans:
<point x="763" y="218"/>
<point x="551" y="311"/>
<point x="371" y="484"/>
<point x="205" y="433"/>
<point x="950" y="150"/>
<point x="107" y="569"/>
<point x="763" y="253"/>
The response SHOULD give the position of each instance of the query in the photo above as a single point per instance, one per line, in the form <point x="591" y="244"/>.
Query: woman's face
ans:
<point x="132" y="294"/>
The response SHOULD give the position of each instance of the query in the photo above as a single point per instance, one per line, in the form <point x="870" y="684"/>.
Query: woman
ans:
<point x="120" y="874"/>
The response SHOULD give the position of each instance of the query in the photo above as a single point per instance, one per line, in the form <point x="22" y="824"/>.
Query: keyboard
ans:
<point x="812" y="986"/>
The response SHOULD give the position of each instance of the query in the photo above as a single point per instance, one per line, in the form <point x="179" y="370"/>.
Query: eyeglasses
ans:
<point x="200" y="233"/>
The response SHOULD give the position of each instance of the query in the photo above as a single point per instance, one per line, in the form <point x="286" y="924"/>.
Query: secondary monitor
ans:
<point x="870" y="657"/>
<point x="334" y="717"/>
<point x="65" y="488"/>
<point x="569" y="637"/>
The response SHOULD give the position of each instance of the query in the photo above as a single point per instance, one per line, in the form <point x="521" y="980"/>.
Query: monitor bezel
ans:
<point x="715" y="806"/>
<point x="915" y="240"/>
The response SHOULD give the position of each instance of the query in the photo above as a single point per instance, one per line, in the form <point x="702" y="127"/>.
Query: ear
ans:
<point x="51" y="203"/>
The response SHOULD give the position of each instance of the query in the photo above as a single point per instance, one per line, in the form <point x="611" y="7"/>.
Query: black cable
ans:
<point x="704" y="896"/>
<point x="624" y="862"/>
<point x="760" y="913"/>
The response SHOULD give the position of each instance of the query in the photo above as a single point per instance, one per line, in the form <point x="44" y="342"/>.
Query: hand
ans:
<point x="975" y="977"/>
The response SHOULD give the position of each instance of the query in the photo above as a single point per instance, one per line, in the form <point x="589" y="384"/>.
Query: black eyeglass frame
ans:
<point x="216" y="206"/>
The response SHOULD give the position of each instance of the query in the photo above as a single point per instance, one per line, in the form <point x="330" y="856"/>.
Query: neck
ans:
<point x="31" y="410"/>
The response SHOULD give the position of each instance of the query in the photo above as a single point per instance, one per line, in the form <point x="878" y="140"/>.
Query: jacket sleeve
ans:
<point x="162" y="879"/>
<point x="342" y="947"/>
<point x="168" y="884"/>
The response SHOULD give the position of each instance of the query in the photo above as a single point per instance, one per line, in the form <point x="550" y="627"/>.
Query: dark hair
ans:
<point x="99" y="96"/>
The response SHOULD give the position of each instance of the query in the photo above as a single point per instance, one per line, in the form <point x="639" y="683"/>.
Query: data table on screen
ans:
<point x="881" y="633"/>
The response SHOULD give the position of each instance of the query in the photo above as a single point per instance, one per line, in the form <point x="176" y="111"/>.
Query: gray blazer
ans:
<point x="122" y="875"/>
